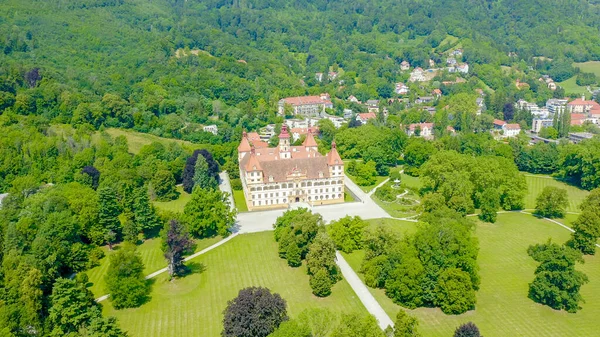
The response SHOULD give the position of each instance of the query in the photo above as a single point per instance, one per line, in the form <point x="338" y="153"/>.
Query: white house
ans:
<point x="506" y="130"/>
<point x="404" y="65"/>
<point x="424" y="130"/>
<point x="402" y="89"/>
<point x="463" y="68"/>
<point x="211" y="128"/>
<point x="364" y="117"/>
<point x="417" y="75"/>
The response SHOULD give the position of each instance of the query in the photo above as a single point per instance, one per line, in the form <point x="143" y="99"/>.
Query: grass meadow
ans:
<point x="176" y="205"/>
<point x="536" y="183"/>
<point x="503" y="308"/>
<point x="571" y="87"/>
<point x="193" y="305"/>
<point x="137" y="140"/>
<point x="152" y="257"/>
<point x="240" y="201"/>
<point x="589" y="67"/>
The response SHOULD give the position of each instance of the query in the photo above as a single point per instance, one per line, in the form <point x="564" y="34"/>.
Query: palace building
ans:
<point x="280" y="176"/>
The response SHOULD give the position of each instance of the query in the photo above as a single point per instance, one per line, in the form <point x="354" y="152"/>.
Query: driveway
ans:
<point x="366" y="208"/>
<point x="225" y="186"/>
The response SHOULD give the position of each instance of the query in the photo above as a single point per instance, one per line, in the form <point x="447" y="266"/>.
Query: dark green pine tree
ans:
<point x="143" y="212"/>
<point x="109" y="210"/>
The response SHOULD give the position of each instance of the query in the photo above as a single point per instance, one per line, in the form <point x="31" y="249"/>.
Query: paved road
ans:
<point x="363" y="293"/>
<point x="251" y="222"/>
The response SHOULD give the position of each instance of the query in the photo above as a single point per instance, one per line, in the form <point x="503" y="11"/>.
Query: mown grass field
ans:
<point x="151" y="254"/>
<point x="240" y="201"/>
<point x="137" y="140"/>
<point x="193" y="306"/>
<point x="536" y="183"/>
<point x="589" y="67"/>
<point x="176" y="205"/>
<point x="571" y="87"/>
<point x="503" y="308"/>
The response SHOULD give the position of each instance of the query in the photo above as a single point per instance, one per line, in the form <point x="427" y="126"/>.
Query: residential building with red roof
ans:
<point x="424" y="130"/>
<point x="582" y="106"/>
<point x="280" y="176"/>
<point x="578" y="119"/>
<point x="506" y="130"/>
<point x="305" y="105"/>
<point x="364" y="117"/>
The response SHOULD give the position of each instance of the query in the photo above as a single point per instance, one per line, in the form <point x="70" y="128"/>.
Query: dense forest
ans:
<point x="167" y="66"/>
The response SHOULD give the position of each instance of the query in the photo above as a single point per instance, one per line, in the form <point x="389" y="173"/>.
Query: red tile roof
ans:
<point x="513" y="127"/>
<point x="412" y="127"/>
<point x="310" y="140"/>
<point x="301" y="100"/>
<point x="367" y="116"/>
<point x="499" y="122"/>
<point x="333" y="157"/>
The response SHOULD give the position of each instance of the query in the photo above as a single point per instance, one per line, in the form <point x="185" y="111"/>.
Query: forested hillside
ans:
<point x="135" y="63"/>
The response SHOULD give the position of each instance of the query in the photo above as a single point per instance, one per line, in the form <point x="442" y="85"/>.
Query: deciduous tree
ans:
<point x="406" y="325"/>
<point x="125" y="279"/>
<point x="255" y="312"/>
<point x="208" y="213"/>
<point x="176" y="242"/>
<point x="552" y="202"/>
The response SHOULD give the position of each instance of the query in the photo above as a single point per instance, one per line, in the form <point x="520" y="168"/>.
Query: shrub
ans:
<point x="386" y="193"/>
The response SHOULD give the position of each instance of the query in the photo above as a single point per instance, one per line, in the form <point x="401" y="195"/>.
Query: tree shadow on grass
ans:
<point x="192" y="268"/>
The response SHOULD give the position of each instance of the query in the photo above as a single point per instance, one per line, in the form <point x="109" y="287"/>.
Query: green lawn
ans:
<point x="536" y="183"/>
<point x="411" y="181"/>
<point x="348" y="196"/>
<point x="368" y="188"/>
<point x="398" y="226"/>
<point x="193" y="306"/>
<point x="503" y="308"/>
<point x="176" y="205"/>
<point x="136" y="140"/>
<point x="240" y="201"/>
<point x="571" y="87"/>
<point x="589" y="67"/>
<point x="151" y="254"/>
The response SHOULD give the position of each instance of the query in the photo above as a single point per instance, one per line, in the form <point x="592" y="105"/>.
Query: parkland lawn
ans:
<point x="176" y="205"/>
<point x="503" y="308"/>
<point x="152" y="257"/>
<point x="193" y="306"/>
<point x="536" y="183"/>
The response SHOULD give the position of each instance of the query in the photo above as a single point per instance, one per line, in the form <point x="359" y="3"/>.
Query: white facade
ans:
<point x="211" y="128"/>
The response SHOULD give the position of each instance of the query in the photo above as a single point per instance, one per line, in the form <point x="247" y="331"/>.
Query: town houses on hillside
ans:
<point x="282" y="176"/>
<point x="580" y="110"/>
